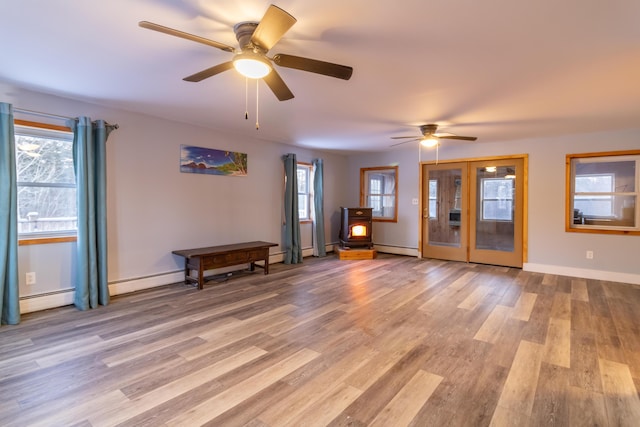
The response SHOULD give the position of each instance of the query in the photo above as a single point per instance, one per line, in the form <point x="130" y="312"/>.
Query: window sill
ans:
<point x="384" y="219"/>
<point x="305" y="221"/>
<point x="46" y="240"/>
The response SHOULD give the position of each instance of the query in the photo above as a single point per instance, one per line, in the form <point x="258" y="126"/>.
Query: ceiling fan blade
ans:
<point x="161" y="28"/>
<point x="403" y="137"/>
<point x="209" y="72"/>
<point x="272" y="27"/>
<point x="278" y="86"/>
<point x="464" y="138"/>
<point x="404" y="142"/>
<point x="314" y="66"/>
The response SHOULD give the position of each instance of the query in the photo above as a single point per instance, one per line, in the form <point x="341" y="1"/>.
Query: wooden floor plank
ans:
<point x="620" y="394"/>
<point x="211" y="408"/>
<point x="392" y="341"/>
<point x="404" y="406"/>
<point x="520" y="387"/>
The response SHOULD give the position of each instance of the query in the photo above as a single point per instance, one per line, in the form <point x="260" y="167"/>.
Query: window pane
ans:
<point x="43" y="209"/>
<point x="497" y="188"/>
<point x="613" y="210"/>
<point x="594" y="205"/>
<point x="302" y="180"/>
<point x="605" y="176"/>
<point x="498" y="210"/>
<point x="303" y="204"/>
<point x="375" y="202"/>
<point x="433" y="188"/>
<point x="41" y="159"/>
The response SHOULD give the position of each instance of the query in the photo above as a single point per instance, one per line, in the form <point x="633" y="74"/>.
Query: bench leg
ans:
<point x="200" y="277"/>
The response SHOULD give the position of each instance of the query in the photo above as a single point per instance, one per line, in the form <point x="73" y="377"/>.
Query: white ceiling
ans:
<point x="496" y="69"/>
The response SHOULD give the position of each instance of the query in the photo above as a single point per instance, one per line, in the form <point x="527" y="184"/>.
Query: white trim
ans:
<point x="583" y="273"/>
<point x="126" y="286"/>
<point x="31" y="303"/>
<point x="46" y="301"/>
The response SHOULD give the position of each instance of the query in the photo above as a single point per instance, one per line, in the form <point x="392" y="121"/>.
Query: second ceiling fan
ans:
<point x="430" y="137"/>
<point x="251" y="60"/>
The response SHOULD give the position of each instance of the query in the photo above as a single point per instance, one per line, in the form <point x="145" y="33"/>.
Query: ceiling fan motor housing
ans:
<point x="244" y="31"/>
<point x="428" y="129"/>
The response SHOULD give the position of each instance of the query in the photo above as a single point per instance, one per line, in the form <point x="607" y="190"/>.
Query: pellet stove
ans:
<point x="356" y="227"/>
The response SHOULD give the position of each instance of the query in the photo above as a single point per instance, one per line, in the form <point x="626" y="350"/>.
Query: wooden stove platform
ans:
<point x="355" y="253"/>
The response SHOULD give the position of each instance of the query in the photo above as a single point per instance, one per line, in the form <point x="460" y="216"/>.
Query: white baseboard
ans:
<point x="583" y="273"/>
<point x="31" y="303"/>
<point x="44" y="302"/>
<point x="64" y="297"/>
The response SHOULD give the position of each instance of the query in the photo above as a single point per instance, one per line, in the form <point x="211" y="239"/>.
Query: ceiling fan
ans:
<point x="430" y="137"/>
<point x="251" y="60"/>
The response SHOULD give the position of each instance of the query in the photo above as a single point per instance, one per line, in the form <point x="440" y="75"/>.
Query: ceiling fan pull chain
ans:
<point x="437" y="151"/>
<point x="246" y="98"/>
<point x="257" y="110"/>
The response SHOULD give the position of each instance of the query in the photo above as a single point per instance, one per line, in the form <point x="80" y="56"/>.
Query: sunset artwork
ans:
<point x="211" y="161"/>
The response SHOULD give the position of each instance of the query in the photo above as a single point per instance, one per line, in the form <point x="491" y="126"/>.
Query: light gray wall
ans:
<point x="549" y="244"/>
<point x="154" y="209"/>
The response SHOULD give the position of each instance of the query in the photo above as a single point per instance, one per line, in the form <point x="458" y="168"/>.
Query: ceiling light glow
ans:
<point x="251" y="65"/>
<point x="429" y="141"/>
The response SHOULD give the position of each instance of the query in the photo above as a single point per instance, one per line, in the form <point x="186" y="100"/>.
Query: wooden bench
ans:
<point x="202" y="259"/>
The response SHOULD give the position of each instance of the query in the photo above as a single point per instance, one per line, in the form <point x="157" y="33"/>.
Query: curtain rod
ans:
<point x="38" y="113"/>
<point x="51" y="116"/>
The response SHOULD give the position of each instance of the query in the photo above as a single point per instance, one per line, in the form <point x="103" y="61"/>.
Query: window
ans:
<point x="45" y="180"/>
<point x="433" y="198"/>
<point x="603" y="192"/>
<point x="304" y="193"/>
<point x="378" y="191"/>
<point x="497" y="199"/>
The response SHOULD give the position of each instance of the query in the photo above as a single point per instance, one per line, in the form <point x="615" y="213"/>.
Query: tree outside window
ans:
<point x="45" y="182"/>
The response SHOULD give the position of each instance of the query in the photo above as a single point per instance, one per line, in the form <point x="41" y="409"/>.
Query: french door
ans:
<point x="473" y="211"/>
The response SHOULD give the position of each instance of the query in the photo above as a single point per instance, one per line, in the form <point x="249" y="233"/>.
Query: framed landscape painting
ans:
<point x="212" y="162"/>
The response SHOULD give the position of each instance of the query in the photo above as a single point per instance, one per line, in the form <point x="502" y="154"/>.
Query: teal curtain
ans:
<point x="89" y="158"/>
<point x="9" y="289"/>
<point x="292" y="244"/>
<point x="318" y="209"/>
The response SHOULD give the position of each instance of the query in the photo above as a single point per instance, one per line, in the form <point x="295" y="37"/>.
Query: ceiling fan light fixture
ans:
<point x="251" y="65"/>
<point x="429" y="141"/>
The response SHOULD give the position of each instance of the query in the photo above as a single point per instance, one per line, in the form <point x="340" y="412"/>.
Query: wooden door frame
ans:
<point x="525" y="196"/>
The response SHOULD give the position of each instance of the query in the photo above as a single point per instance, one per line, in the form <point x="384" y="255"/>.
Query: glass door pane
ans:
<point x="496" y="208"/>
<point x="496" y="212"/>
<point x="444" y="220"/>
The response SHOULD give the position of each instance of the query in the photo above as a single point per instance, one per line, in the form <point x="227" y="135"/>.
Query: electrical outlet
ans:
<point x="589" y="254"/>
<point x="30" y="278"/>
<point x="414" y="201"/>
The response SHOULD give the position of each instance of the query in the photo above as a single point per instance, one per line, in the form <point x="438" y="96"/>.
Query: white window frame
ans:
<point x="47" y="131"/>
<point x="625" y="193"/>
<point x="433" y="199"/>
<point x="508" y="199"/>
<point x="306" y="193"/>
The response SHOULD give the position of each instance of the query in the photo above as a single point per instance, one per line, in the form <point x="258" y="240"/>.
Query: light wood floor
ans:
<point x="387" y="342"/>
